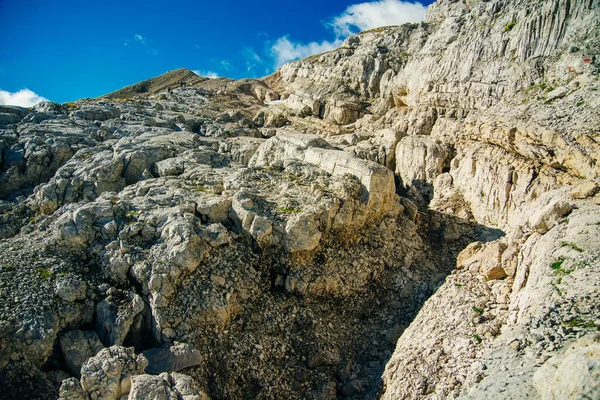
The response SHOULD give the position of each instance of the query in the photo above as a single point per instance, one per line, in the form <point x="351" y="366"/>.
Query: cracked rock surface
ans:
<point x="411" y="216"/>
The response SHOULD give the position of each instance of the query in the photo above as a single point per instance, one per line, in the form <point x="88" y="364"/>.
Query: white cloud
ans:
<point x="355" y="18"/>
<point x="369" y="15"/>
<point x="225" y="64"/>
<point x="140" y="39"/>
<point x="208" y="74"/>
<point x="23" y="98"/>
<point x="285" y="50"/>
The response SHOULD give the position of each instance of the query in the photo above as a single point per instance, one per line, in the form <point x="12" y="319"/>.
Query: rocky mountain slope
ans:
<point x="411" y="216"/>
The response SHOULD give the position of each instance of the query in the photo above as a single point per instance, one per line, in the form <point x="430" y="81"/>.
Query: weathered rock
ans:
<point x="419" y="160"/>
<point x="71" y="389"/>
<point x="165" y="387"/>
<point x="116" y="314"/>
<point x="545" y="219"/>
<point x="97" y="113"/>
<point x="287" y="263"/>
<point x="573" y="373"/>
<point x="484" y="258"/>
<point x="77" y="347"/>
<point x="108" y="375"/>
<point x="584" y="190"/>
<point x="71" y="289"/>
<point x="380" y="147"/>
<point x="173" y="358"/>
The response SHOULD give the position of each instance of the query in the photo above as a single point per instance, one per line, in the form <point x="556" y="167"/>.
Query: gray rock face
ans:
<point x="77" y="347"/>
<point x="71" y="289"/>
<point x="174" y="358"/>
<point x="71" y="389"/>
<point x="116" y="315"/>
<point x="572" y="374"/>
<point x="420" y="160"/>
<point x="252" y="232"/>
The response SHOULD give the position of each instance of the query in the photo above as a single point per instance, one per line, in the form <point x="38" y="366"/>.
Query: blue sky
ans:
<point x="66" y="50"/>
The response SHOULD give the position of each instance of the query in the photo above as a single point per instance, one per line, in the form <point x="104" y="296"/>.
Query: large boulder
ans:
<point x="174" y="358"/>
<point x="419" y="160"/>
<point x="77" y="347"/>
<point x="379" y="190"/>
<point x="107" y="375"/>
<point x="116" y="314"/>
<point x="165" y="387"/>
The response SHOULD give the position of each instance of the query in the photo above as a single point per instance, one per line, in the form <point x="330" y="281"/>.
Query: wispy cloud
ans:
<point x="285" y="50"/>
<point x="357" y="17"/>
<point x="143" y="41"/>
<point x="139" y="38"/>
<point x="23" y="98"/>
<point x="208" y="74"/>
<point x="225" y="64"/>
<point x="369" y="15"/>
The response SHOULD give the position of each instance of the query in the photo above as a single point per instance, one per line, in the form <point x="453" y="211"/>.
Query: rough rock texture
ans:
<point x="413" y="215"/>
<point x="108" y="374"/>
<point x="174" y="358"/>
<point x="77" y="347"/>
<point x="165" y="387"/>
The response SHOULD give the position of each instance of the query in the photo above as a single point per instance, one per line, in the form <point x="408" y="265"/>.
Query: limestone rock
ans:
<point x="71" y="389"/>
<point x="115" y="316"/>
<point x="108" y="375"/>
<point x="573" y="373"/>
<point x="71" y="289"/>
<point x="545" y="219"/>
<point x="259" y="220"/>
<point x="77" y="347"/>
<point x="484" y="258"/>
<point x="419" y="160"/>
<point x="584" y="190"/>
<point x="174" y="358"/>
<point x="165" y="387"/>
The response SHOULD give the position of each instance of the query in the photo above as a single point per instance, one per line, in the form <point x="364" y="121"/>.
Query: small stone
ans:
<point x="219" y="280"/>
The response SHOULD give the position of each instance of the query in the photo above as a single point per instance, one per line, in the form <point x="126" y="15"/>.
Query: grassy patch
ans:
<point x="44" y="274"/>
<point x="478" y="310"/>
<point x="580" y="103"/>
<point x="540" y="86"/>
<point x="559" y="270"/>
<point x="289" y="210"/>
<point x="579" y="323"/>
<point x="560" y="293"/>
<point x="478" y="338"/>
<point x="458" y="284"/>
<point x="201" y="188"/>
<point x="509" y="26"/>
<point x="556" y="265"/>
<point x="572" y="246"/>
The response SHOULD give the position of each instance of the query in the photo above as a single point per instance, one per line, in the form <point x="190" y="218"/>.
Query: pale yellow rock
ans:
<point x="584" y="190"/>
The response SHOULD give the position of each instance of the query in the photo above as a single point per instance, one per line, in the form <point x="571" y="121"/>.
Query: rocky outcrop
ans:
<point x="419" y="205"/>
<point x="174" y="358"/>
<point x="107" y="375"/>
<point x="165" y="387"/>
<point x="77" y="347"/>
